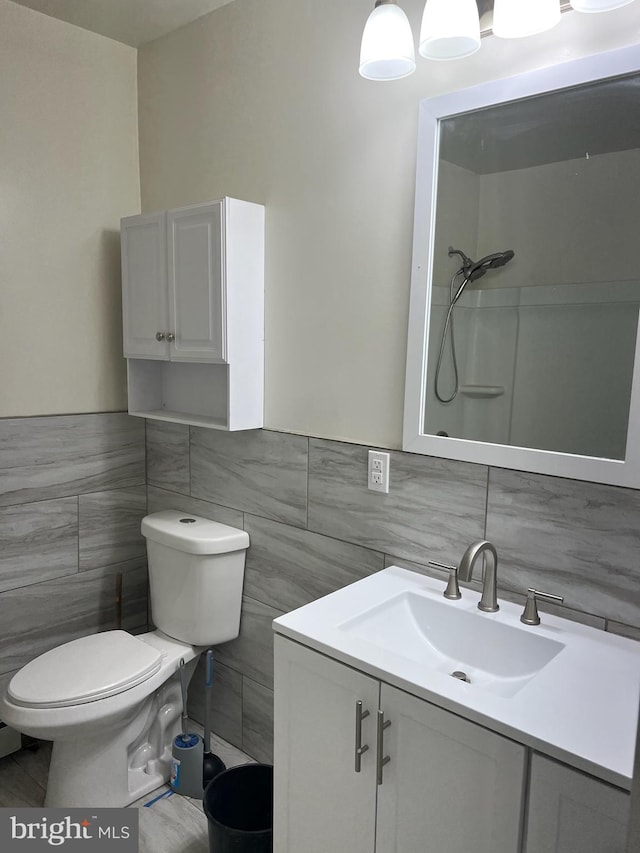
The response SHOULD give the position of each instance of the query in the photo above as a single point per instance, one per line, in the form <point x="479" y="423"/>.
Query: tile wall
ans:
<point x="72" y="493"/>
<point x="315" y="527"/>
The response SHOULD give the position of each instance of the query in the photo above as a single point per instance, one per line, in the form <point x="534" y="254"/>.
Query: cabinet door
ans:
<point x="196" y="289"/>
<point x="570" y="812"/>
<point x="449" y="785"/>
<point x="320" y="803"/>
<point x="145" y="311"/>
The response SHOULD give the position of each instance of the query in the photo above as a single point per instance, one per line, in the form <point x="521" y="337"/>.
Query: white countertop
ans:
<point x="581" y="708"/>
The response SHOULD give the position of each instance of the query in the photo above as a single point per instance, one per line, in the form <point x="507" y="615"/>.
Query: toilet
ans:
<point x="111" y="702"/>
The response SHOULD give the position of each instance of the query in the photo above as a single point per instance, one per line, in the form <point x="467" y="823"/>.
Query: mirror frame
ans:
<point x="624" y="472"/>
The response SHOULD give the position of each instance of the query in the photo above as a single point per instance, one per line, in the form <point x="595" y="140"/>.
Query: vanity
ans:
<point x="407" y="722"/>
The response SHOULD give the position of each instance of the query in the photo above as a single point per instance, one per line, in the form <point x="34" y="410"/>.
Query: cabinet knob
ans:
<point x="171" y="337"/>
<point x="159" y="336"/>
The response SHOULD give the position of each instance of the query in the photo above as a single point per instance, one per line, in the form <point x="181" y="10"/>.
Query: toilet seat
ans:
<point x="85" y="670"/>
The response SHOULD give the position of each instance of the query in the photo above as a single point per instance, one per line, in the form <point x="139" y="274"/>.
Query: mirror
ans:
<point x="525" y="294"/>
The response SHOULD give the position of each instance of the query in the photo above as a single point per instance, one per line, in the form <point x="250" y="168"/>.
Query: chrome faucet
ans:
<point x="489" y="600"/>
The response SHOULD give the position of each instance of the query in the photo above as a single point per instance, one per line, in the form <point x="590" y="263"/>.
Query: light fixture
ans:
<point x="520" y="18"/>
<point x="450" y="29"/>
<point x="387" y="51"/>
<point x="598" y="5"/>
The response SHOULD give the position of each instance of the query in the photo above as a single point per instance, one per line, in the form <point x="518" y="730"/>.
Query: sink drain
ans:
<point x="461" y="676"/>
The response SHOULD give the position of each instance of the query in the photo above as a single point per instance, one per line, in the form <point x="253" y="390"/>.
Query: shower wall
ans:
<point x="545" y="345"/>
<point x="542" y="367"/>
<point x="568" y="222"/>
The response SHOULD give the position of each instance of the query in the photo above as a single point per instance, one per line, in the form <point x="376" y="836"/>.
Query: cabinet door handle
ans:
<point x="171" y="337"/>
<point x="382" y="725"/>
<point x="360" y="747"/>
<point x="159" y="336"/>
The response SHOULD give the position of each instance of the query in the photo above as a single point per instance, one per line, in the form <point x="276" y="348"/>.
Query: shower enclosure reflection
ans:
<point x="540" y="352"/>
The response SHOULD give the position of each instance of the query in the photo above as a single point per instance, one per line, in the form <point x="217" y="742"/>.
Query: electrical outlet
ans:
<point x="378" y="475"/>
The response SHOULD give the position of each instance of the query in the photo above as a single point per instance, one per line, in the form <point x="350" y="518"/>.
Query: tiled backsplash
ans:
<point x="315" y="527"/>
<point x="72" y="493"/>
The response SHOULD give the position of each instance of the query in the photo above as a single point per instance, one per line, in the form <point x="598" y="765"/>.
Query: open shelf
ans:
<point x="482" y="391"/>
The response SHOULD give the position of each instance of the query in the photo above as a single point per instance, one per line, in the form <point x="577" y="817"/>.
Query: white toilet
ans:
<point x="111" y="702"/>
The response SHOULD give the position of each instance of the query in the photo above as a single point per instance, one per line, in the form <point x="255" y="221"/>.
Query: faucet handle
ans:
<point x="453" y="590"/>
<point x="530" y="614"/>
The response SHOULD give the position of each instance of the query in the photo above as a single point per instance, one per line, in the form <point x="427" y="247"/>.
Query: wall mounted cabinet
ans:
<point x="193" y="314"/>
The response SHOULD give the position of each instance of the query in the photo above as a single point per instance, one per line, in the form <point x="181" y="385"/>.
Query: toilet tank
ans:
<point x="196" y="572"/>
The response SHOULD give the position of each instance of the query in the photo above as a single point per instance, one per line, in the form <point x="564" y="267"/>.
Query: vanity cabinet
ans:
<point x="193" y="314"/>
<point x="319" y="799"/>
<point x="428" y="780"/>
<point x="570" y="812"/>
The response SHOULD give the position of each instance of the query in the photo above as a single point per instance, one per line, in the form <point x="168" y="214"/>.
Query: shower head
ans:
<point x="474" y="270"/>
<point x="489" y="262"/>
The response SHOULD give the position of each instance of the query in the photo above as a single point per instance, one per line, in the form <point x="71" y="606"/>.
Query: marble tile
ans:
<point x="36" y="618"/>
<point x="17" y="788"/>
<point x="435" y="507"/>
<point x="252" y="652"/>
<point x="257" y="471"/>
<point x="52" y="457"/>
<point x="570" y="613"/>
<point x="627" y="631"/>
<point x="231" y="755"/>
<point x="168" y="455"/>
<point x="5" y="678"/>
<point x="34" y="761"/>
<point x="412" y="566"/>
<point x="287" y="567"/>
<point x="148" y="799"/>
<point x="109" y="527"/>
<point x="570" y="538"/>
<point x="38" y="541"/>
<point x="257" y="721"/>
<point x="170" y="824"/>
<point x="159" y="499"/>
<point x="226" y="700"/>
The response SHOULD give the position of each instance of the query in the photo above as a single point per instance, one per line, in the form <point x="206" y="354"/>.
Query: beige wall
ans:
<point x="262" y="100"/>
<point x="68" y="172"/>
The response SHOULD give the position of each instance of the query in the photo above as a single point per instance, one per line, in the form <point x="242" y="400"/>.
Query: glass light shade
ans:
<point x="598" y="5"/>
<point x="387" y="52"/>
<point x="450" y="29"/>
<point x="520" y="18"/>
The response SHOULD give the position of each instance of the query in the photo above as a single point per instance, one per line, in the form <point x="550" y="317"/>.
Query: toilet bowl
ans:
<point x="111" y="702"/>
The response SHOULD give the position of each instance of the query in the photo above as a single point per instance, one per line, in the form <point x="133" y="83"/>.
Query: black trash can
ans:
<point x="238" y="804"/>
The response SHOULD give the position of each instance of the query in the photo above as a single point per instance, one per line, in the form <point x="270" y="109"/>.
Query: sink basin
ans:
<point x="563" y="688"/>
<point x="441" y="635"/>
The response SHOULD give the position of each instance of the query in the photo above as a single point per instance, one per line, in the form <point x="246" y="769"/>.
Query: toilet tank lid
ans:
<point x="193" y="534"/>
